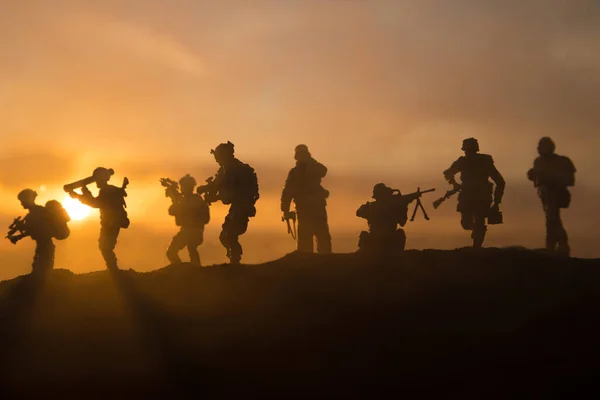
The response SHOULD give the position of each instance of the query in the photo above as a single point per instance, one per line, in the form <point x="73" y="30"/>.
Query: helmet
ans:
<point x="102" y="174"/>
<point x="470" y="144"/>
<point x="27" y="195"/>
<point x="187" y="180"/>
<point x="223" y="149"/>
<point x="381" y="190"/>
<point x="301" y="148"/>
<point x="546" y="145"/>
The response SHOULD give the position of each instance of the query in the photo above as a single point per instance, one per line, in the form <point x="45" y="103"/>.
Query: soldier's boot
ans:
<point x="110" y="259"/>
<point x="194" y="256"/>
<point x="478" y="236"/>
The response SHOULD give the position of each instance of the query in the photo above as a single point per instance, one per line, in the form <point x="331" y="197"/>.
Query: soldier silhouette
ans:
<point x="191" y="215"/>
<point x="303" y="186"/>
<point x="37" y="224"/>
<point x="113" y="216"/>
<point x="389" y="210"/>
<point x="475" y="195"/>
<point x="552" y="174"/>
<point x="234" y="184"/>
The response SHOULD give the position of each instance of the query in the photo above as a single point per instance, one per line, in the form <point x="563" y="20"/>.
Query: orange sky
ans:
<point x="379" y="91"/>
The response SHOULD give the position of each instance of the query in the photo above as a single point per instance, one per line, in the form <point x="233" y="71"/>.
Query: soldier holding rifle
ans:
<point x="389" y="210"/>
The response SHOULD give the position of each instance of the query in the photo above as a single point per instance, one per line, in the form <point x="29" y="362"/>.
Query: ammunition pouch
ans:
<point x="563" y="198"/>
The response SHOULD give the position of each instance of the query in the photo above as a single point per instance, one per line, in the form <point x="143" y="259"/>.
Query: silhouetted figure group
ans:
<point x="236" y="184"/>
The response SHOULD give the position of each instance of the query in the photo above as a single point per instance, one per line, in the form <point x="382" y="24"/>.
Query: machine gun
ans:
<point x="412" y="196"/>
<point x="209" y="190"/>
<point x="172" y="188"/>
<point x="16" y="230"/>
<point x="291" y="216"/>
<point x="445" y="197"/>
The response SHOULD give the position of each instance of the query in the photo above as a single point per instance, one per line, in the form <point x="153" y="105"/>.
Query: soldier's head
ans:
<point x="187" y="184"/>
<point x="301" y="153"/>
<point x="101" y="176"/>
<point x="546" y="146"/>
<point x="470" y="146"/>
<point x="27" y="198"/>
<point x="381" y="191"/>
<point x="224" y="153"/>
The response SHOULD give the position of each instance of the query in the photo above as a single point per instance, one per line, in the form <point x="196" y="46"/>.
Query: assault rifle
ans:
<point x="172" y="188"/>
<point x="445" y="197"/>
<point x="209" y="190"/>
<point x="16" y="230"/>
<point x="287" y="217"/>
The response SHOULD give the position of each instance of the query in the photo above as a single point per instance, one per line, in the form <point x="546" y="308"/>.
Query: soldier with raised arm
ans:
<point x="113" y="216"/>
<point x="552" y="174"/>
<point x="235" y="184"/>
<point x="303" y="186"/>
<point x="476" y="191"/>
<point x="191" y="214"/>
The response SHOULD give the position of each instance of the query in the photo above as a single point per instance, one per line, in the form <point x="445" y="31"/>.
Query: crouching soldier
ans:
<point x="191" y="214"/>
<point x="389" y="210"/>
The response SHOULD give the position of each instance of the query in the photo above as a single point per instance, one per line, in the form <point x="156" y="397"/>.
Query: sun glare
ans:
<point x="76" y="210"/>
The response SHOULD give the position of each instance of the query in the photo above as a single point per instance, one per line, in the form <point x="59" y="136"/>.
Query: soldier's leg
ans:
<point x="234" y="226"/>
<point x="305" y="233"/>
<point x="479" y="229"/>
<point x="107" y="244"/>
<point x="321" y="229"/>
<point x="195" y="239"/>
<point x="178" y="242"/>
<point x="43" y="259"/>
<point x="399" y="241"/>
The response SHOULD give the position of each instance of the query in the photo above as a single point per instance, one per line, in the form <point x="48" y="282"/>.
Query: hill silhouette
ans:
<point x="456" y="322"/>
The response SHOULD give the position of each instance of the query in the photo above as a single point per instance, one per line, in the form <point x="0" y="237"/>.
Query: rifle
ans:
<point x="291" y="227"/>
<point x="172" y="188"/>
<point x="419" y="205"/>
<point x="445" y="197"/>
<point x="209" y="190"/>
<point x="17" y="226"/>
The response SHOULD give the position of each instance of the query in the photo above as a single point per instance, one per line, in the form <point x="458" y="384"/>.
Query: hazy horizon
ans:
<point x="380" y="91"/>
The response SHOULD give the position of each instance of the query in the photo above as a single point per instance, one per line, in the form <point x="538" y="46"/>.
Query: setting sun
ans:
<point x="76" y="210"/>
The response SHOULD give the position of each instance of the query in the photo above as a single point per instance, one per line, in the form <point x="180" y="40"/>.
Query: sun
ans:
<point x="76" y="210"/>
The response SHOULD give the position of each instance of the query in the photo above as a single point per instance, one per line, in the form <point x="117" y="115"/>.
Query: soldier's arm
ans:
<point x="88" y="198"/>
<point x="319" y="169"/>
<point x="499" y="181"/>
<point x="286" y="194"/>
<point x="450" y="173"/>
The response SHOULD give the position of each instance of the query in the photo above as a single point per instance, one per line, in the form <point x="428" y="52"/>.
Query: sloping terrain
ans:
<point x="470" y="322"/>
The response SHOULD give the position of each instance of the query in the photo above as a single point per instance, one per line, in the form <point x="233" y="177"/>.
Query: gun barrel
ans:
<point x="428" y="190"/>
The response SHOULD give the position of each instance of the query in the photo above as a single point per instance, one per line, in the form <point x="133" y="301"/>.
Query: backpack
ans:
<point x="58" y="218"/>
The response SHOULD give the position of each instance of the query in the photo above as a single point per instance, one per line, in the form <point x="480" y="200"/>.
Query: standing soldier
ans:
<point x="191" y="214"/>
<point x="475" y="195"/>
<point x="113" y="216"/>
<point x="37" y="225"/>
<point x="551" y="175"/>
<point x="303" y="185"/>
<point x="236" y="184"/>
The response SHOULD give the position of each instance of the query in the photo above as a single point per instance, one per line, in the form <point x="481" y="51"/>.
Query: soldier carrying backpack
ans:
<point x="552" y="174"/>
<point x="41" y="224"/>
